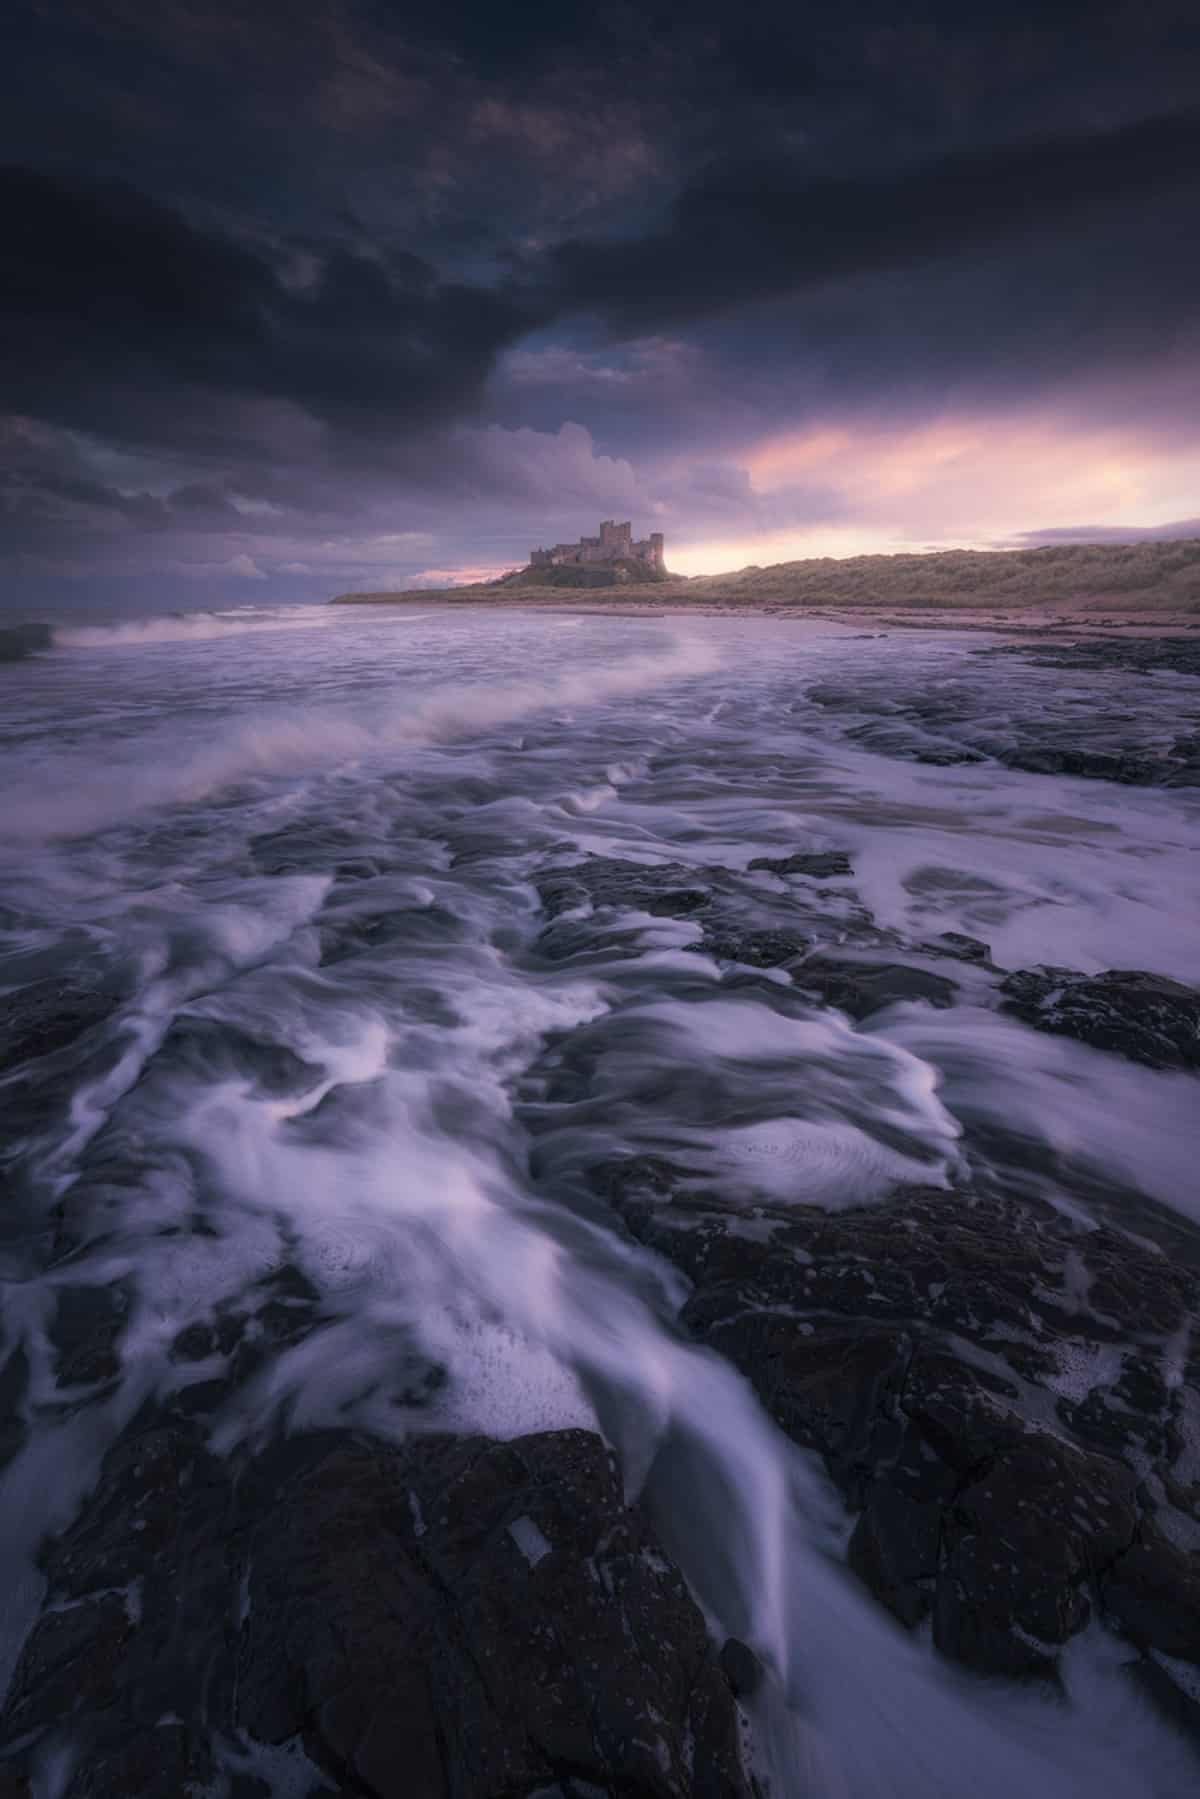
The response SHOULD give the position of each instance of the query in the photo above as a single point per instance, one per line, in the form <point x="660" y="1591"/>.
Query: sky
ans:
<point x="360" y="296"/>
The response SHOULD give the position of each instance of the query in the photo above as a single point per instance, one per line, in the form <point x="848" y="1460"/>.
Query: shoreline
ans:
<point x="1025" y="621"/>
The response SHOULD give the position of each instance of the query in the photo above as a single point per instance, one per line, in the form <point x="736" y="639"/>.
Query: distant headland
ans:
<point x="1144" y="578"/>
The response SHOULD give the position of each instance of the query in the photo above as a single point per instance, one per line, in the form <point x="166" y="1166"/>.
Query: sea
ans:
<point x="286" y="863"/>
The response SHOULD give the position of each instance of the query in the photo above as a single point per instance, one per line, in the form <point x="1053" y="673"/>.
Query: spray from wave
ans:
<point x="189" y="627"/>
<point x="29" y="638"/>
<point x="71" y="796"/>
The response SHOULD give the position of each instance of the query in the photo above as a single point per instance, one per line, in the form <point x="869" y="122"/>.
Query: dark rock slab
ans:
<point x="1020" y="1541"/>
<point x="861" y="988"/>
<point x="453" y="1617"/>
<point x="314" y="846"/>
<point x="947" y="755"/>
<point x="1153" y="1592"/>
<point x="994" y="1389"/>
<point x="767" y="948"/>
<point x="86" y="1329"/>
<point x="1131" y="768"/>
<point x="23" y="639"/>
<point x="817" y="865"/>
<point x="14" y="1388"/>
<point x="1136" y="655"/>
<point x="960" y="947"/>
<point x="741" y="1667"/>
<point x="669" y="889"/>
<point x="49" y="1014"/>
<point x="735" y="925"/>
<point x="535" y="1612"/>
<point x="1143" y="1016"/>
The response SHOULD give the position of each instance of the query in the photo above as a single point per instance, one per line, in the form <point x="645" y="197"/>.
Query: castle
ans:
<point x="614" y="544"/>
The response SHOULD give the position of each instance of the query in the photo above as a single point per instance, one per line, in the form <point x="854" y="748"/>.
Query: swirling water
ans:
<point x="292" y="861"/>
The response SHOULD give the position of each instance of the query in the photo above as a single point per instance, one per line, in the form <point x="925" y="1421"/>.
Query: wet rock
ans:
<point x="669" y="889"/>
<point x="208" y="1049"/>
<point x="994" y="1390"/>
<point x="314" y="846"/>
<point x="1129" y="767"/>
<point x="48" y="1015"/>
<point x="534" y="1614"/>
<point x="861" y="988"/>
<point x="961" y="947"/>
<point x="946" y="755"/>
<point x="162" y="1760"/>
<point x="734" y="925"/>
<point x="820" y="865"/>
<point x="457" y="1616"/>
<point x="1137" y="655"/>
<point x="741" y="1667"/>
<point x="14" y="1386"/>
<point x="21" y="640"/>
<point x="1145" y="1017"/>
<point x="896" y="1545"/>
<point x="757" y="949"/>
<point x="137" y="1622"/>
<point x="1019" y="1542"/>
<point x="86" y="1329"/>
<point x="1153" y="1592"/>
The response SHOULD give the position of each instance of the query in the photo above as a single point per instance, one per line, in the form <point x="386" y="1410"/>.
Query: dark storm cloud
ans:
<point x="102" y="286"/>
<point x="276" y="281"/>
<point x="741" y="234"/>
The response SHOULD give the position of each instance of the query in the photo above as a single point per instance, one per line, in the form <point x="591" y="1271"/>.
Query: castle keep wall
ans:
<point x="615" y="543"/>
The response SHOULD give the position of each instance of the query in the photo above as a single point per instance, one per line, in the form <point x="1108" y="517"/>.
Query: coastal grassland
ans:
<point x="1135" y="578"/>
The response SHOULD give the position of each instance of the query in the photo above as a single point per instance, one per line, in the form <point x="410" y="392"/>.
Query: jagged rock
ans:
<point x="668" y="889"/>
<point x="1138" y="655"/>
<point x="741" y="1667"/>
<point x="946" y="755"/>
<point x="49" y="1014"/>
<point x="819" y="865"/>
<point x="1153" y="1591"/>
<point x="535" y="1611"/>
<point x="1127" y="767"/>
<point x="307" y="846"/>
<point x="1019" y="1542"/>
<point x="992" y="1388"/>
<point x="959" y="946"/>
<point x="861" y="988"/>
<point x="14" y="1384"/>
<point x="757" y="949"/>
<point x="896" y="1545"/>
<point x="739" y="920"/>
<point x="457" y="1616"/>
<point x="86" y="1328"/>
<point x="1145" y="1017"/>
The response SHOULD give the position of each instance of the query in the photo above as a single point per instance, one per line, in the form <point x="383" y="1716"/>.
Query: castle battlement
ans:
<point x="615" y="543"/>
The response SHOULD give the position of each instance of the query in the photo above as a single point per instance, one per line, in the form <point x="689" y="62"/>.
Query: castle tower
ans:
<point x="613" y="544"/>
<point x="615" y="540"/>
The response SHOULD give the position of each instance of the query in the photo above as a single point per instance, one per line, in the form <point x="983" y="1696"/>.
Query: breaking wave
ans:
<point x="190" y="627"/>
<point x="71" y="795"/>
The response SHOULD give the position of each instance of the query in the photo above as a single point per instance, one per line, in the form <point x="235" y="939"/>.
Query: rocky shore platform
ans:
<point x="1007" y="1398"/>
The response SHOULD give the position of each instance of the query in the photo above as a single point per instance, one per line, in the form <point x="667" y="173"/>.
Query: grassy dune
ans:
<point x="1135" y="577"/>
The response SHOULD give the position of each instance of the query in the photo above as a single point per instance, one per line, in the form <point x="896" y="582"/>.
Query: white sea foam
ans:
<point x="69" y="795"/>
<point x="363" y="1073"/>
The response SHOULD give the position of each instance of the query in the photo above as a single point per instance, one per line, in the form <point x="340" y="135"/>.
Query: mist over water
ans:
<point x="291" y="866"/>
